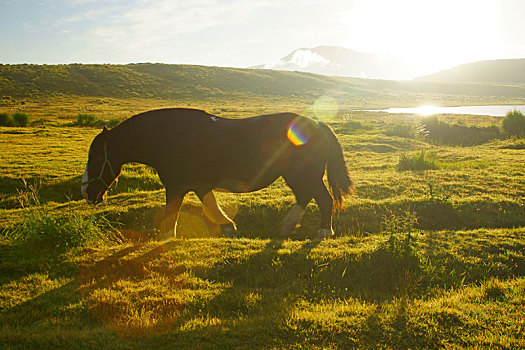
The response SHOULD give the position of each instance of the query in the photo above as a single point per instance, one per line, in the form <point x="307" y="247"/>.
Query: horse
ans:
<point x="192" y="150"/>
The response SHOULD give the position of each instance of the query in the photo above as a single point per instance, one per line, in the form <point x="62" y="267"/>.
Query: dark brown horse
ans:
<point x="195" y="151"/>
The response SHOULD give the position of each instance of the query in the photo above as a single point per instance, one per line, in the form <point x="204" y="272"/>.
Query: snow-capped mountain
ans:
<point x="338" y="61"/>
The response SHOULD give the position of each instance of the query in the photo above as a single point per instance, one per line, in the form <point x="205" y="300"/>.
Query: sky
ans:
<point x="240" y="33"/>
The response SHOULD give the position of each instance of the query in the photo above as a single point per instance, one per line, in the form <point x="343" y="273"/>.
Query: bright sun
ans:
<point x="435" y="34"/>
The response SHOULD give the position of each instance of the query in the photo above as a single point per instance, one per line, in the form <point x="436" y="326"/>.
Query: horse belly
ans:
<point x="237" y="186"/>
<point x="242" y="186"/>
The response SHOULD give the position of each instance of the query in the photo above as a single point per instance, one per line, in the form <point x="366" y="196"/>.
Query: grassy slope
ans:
<point x="496" y="71"/>
<point x="457" y="286"/>
<point x="183" y="82"/>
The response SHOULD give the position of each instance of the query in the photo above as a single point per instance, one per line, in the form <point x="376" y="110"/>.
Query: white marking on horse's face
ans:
<point x="85" y="178"/>
<point x="213" y="118"/>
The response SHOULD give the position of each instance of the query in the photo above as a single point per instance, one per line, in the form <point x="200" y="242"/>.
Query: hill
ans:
<point x="188" y="82"/>
<point x="152" y="81"/>
<point x="495" y="71"/>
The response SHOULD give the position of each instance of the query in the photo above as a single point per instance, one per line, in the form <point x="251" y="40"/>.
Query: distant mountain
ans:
<point x="495" y="71"/>
<point x="338" y="61"/>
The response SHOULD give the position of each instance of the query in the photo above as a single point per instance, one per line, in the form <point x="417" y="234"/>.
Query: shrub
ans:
<point x="436" y="131"/>
<point x="393" y="224"/>
<point x="112" y="122"/>
<point x="401" y="129"/>
<point x="84" y="119"/>
<point x="6" y="120"/>
<point x="514" y="124"/>
<point x="404" y="268"/>
<point x="417" y="161"/>
<point x="90" y="120"/>
<point x="21" y="119"/>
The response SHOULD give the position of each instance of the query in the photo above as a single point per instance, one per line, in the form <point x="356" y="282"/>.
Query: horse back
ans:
<point x="193" y="148"/>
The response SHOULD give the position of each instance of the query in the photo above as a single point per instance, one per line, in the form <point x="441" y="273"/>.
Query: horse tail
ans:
<point x="339" y="181"/>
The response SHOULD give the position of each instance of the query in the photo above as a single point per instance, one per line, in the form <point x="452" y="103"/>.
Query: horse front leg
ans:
<point x="216" y="215"/>
<point x="168" y="226"/>
<point x="291" y="220"/>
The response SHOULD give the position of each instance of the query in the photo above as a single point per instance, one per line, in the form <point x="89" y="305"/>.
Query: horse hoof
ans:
<point x="165" y="236"/>
<point x="325" y="233"/>
<point x="285" y="234"/>
<point x="229" y="230"/>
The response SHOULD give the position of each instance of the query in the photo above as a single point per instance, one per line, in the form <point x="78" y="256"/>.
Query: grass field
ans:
<point x="422" y="259"/>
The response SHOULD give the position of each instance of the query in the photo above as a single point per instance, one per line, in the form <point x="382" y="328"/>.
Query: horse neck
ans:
<point x="124" y="141"/>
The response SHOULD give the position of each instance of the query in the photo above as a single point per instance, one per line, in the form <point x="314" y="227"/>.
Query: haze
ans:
<point x="242" y="33"/>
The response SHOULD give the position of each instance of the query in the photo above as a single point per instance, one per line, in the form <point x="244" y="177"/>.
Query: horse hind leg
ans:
<point x="305" y="187"/>
<point x="325" y="203"/>
<point x="216" y="215"/>
<point x="303" y="196"/>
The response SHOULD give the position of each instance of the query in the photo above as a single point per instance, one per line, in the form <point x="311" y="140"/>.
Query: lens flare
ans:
<point x="296" y="134"/>
<point x="325" y="108"/>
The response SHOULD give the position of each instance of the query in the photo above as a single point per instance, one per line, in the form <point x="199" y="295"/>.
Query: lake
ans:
<point x="496" y="111"/>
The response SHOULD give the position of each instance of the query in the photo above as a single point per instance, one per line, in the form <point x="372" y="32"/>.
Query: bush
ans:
<point x="436" y="131"/>
<point x="514" y="124"/>
<point x="89" y="120"/>
<point x="401" y="130"/>
<point x="417" y="161"/>
<point x="84" y="119"/>
<point x="6" y="120"/>
<point x="112" y="122"/>
<point x="21" y="119"/>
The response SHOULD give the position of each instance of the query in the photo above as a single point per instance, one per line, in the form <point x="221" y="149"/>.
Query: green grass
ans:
<point x="218" y="293"/>
<point x="430" y="258"/>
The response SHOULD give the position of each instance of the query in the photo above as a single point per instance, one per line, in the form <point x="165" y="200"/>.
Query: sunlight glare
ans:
<point x="421" y="36"/>
<point x="325" y="108"/>
<point x="427" y="110"/>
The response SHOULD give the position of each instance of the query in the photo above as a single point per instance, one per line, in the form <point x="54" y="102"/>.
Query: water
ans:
<point x="496" y="111"/>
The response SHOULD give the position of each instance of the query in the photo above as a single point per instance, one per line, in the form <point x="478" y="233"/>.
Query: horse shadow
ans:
<point x="250" y="293"/>
<point x="268" y="282"/>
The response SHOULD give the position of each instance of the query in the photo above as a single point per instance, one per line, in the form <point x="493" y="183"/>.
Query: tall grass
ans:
<point x="29" y="195"/>
<point x="67" y="230"/>
<point x="404" y="130"/>
<point x="90" y="120"/>
<point x="417" y="161"/>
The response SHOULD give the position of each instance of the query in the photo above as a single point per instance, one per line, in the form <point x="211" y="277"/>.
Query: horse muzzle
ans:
<point x="96" y="201"/>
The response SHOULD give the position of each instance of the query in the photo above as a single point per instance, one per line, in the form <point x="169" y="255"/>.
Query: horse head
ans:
<point x="101" y="168"/>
